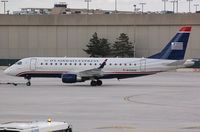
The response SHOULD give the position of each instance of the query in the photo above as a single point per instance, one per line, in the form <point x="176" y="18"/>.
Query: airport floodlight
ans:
<point x="164" y="1"/>
<point x="88" y="5"/>
<point x="177" y="5"/>
<point x="196" y="7"/>
<point x="4" y="3"/>
<point x="189" y="3"/>
<point x="173" y="5"/>
<point x="142" y="4"/>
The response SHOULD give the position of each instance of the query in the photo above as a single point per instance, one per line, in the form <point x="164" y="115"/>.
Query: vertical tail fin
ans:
<point x="175" y="49"/>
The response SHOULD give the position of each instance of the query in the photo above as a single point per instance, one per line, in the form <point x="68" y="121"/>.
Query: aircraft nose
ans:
<point x="7" y="71"/>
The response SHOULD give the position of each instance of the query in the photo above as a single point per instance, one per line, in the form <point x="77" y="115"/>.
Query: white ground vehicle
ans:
<point x="38" y="126"/>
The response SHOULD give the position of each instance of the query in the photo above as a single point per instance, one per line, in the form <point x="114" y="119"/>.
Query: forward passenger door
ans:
<point x="33" y="64"/>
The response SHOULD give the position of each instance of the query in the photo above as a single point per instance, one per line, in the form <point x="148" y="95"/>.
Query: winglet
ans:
<point x="103" y="64"/>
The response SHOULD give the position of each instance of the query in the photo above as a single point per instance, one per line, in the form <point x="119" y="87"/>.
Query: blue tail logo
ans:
<point x="175" y="49"/>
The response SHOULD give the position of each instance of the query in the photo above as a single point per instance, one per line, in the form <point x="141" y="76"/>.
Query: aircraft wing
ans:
<point x="96" y="72"/>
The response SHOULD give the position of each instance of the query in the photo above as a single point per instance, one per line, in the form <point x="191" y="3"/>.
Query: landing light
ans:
<point x="49" y="120"/>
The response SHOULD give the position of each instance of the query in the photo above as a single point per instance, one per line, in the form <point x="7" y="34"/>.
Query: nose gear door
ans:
<point x="33" y="64"/>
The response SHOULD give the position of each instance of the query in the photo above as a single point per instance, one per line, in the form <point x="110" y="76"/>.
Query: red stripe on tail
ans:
<point x="185" y="29"/>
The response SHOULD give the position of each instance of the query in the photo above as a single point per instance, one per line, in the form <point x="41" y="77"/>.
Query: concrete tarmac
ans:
<point x="164" y="102"/>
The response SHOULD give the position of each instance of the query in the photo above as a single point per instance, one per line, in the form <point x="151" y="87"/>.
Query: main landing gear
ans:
<point x="29" y="81"/>
<point x="96" y="83"/>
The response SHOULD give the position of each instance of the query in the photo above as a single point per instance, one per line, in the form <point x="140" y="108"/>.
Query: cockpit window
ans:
<point x="19" y="63"/>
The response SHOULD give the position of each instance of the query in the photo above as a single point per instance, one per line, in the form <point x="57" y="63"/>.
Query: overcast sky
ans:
<point x="152" y="5"/>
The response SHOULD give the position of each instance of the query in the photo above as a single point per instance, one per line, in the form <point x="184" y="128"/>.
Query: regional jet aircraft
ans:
<point x="72" y="70"/>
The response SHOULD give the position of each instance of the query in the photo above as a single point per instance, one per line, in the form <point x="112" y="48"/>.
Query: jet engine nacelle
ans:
<point x="70" y="78"/>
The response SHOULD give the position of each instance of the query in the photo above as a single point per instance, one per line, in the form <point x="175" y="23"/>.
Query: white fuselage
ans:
<point x="55" y="67"/>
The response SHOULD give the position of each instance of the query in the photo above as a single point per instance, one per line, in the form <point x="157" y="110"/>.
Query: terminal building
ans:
<point x="67" y="35"/>
<point x="62" y="9"/>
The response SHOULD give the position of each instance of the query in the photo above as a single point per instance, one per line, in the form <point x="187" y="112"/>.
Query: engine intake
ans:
<point x="70" y="78"/>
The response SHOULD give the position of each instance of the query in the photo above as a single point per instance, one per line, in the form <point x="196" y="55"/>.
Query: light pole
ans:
<point x="173" y="5"/>
<point x="196" y="6"/>
<point x="4" y="3"/>
<point x="177" y="2"/>
<point x="88" y="5"/>
<point x="134" y="8"/>
<point x="142" y="4"/>
<point x="164" y="1"/>
<point x="115" y="5"/>
<point x="189" y="1"/>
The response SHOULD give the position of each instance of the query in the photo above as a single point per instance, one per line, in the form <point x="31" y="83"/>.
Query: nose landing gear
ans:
<point x="29" y="81"/>
<point x="96" y="83"/>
